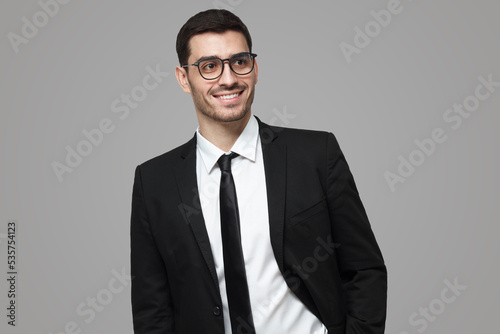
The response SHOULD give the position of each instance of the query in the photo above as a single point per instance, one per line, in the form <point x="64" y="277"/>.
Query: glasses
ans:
<point x="212" y="67"/>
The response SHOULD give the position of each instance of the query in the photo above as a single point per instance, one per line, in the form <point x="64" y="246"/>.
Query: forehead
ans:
<point x="222" y="44"/>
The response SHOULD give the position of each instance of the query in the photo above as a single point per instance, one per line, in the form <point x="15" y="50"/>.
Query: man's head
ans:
<point x="212" y="20"/>
<point x="220" y="34"/>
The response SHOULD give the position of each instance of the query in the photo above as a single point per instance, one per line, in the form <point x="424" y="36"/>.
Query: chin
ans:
<point x="226" y="117"/>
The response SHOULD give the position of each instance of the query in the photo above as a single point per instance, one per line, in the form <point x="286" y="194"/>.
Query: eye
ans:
<point x="240" y="61"/>
<point x="209" y="66"/>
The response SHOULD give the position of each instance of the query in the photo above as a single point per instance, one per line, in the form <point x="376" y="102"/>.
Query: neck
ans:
<point x="223" y="134"/>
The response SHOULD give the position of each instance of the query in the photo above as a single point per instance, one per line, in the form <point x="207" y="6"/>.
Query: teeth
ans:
<point x="225" y="97"/>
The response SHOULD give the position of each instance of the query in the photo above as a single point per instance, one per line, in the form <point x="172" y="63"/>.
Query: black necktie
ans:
<point x="234" y="265"/>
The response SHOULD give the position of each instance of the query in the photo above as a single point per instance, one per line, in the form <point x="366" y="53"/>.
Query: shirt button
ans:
<point x="217" y="311"/>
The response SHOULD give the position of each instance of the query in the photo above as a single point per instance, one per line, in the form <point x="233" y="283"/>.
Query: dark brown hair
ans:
<point x="212" y="20"/>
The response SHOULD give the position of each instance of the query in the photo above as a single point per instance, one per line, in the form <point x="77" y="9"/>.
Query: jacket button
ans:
<point x="217" y="311"/>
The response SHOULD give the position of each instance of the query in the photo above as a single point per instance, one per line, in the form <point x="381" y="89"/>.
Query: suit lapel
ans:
<point x="275" y="166"/>
<point x="274" y="155"/>
<point x="185" y="173"/>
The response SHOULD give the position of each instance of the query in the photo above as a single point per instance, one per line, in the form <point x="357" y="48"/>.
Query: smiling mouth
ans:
<point x="228" y="96"/>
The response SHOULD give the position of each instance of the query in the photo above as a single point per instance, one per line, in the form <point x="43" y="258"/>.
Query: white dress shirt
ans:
<point x="275" y="308"/>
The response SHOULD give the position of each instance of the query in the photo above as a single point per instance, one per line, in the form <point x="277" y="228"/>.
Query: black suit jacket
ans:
<point x="320" y="235"/>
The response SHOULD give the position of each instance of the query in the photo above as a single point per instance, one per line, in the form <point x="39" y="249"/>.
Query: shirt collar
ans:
<point x="245" y="145"/>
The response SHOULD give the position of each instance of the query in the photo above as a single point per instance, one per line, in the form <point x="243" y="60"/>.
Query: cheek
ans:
<point x="197" y="84"/>
<point x="200" y="86"/>
<point x="251" y="83"/>
<point x="200" y="89"/>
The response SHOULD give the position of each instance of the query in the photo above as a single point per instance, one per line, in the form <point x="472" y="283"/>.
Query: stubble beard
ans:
<point x="209" y="111"/>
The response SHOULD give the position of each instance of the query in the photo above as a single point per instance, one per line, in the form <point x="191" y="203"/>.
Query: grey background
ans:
<point x="441" y="224"/>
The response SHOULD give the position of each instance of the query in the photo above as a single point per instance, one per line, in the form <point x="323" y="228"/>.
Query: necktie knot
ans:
<point x="225" y="161"/>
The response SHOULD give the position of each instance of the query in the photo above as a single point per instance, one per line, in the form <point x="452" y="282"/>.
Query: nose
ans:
<point x="228" y="77"/>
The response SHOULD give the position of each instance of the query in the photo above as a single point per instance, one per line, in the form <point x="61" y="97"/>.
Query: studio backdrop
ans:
<point x="411" y="89"/>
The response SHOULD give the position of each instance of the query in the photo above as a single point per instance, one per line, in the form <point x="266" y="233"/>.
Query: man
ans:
<point x="248" y="228"/>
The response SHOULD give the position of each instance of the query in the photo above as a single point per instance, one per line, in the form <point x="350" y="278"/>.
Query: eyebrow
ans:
<point x="207" y="57"/>
<point x="217" y="56"/>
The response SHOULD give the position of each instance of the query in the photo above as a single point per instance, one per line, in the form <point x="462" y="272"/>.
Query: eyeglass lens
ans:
<point x="212" y="68"/>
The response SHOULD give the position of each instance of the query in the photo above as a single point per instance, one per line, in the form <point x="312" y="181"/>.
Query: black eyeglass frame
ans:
<point x="252" y="55"/>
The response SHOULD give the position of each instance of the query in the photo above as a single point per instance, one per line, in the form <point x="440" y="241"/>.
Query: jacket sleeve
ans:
<point x="152" y="309"/>
<point x="361" y="266"/>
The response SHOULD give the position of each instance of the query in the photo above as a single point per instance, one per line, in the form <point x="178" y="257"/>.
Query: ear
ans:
<point x="256" y="69"/>
<point x="181" y="75"/>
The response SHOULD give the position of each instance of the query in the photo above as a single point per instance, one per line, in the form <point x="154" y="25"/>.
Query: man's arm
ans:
<point x="151" y="304"/>
<point x="361" y="266"/>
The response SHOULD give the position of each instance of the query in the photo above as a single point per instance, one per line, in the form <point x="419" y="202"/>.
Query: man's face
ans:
<point x="229" y="97"/>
